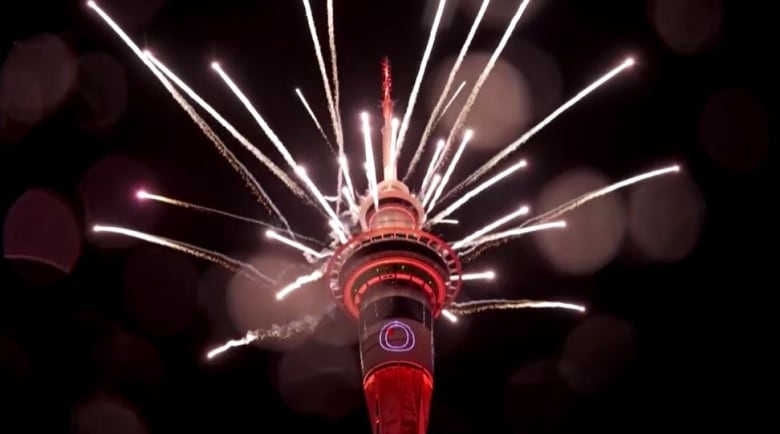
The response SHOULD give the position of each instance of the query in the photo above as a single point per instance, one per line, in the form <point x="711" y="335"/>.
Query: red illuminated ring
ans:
<point x="441" y="247"/>
<point x="437" y="298"/>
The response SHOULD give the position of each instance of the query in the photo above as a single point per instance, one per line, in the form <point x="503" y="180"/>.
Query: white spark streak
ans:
<point x="225" y="124"/>
<point x="198" y="252"/>
<point x="318" y="195"/>
<point x="449" y="315"/>
<point x="472" y="98"/>
<point x="523" y="210"/>
<point x="335" y="226"/>
<point x="587" y="197"/>
<point x="276" y="331"/>
<point x="370" y="163"/>
<point x="294" y="244"/>
<point x="313" y="117"/>
<point x="516" y="232"/>
<point x="475" y="191"/>
<point x="477" y="306"/>
<point x="429" y="194"/>
<point x="344" y="166"/>
<point x="538" y="127"/>
<point x="324" y="73"/>
<point x="298" y="283"/>
<point x="449" y="103"/>
<point x="485" y="275"/>
<point x="451" y="168"/>
<point x="437" y="113"/>
<point x="449" y="222"/>
<point x="432" y="166"/>
<point x="420" y="74"/>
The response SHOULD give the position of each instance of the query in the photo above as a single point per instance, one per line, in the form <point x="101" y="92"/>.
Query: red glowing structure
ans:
<point x="394" y="279"/>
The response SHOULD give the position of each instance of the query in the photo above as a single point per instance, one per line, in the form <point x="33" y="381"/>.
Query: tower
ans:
<point x="394" y="279"/>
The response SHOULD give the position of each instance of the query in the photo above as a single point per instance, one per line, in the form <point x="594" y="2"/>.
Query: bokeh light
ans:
<point x="108" y="196"/>
<point x="734" y="129"/>
<point x="595" y="353"/>
<point x="594" y="232"/>
<point x="320" y="380"/>
<point x="665" y="217"/>
<point x="502" y="108"/>
<point x="42" y="228"/>
<point x="102" y="87"/>
<point x="104" y="415"/>
<point x="160" y="290"/>
<point x="687" y="26"/>
<point x="35" y="77"/>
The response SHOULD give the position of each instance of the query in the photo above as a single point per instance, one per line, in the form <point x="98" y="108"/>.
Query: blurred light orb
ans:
<point x="595" y="352"/>
<point x="322" y="381"/>
<point x="102" y="87"/>
<point x="107" y="192"/>
<point x="104" y="415"/>
<point x="665" y="217"/>
<point x="41" y="227"/>
<point x="160" y="290"/>
<point x="687" y="26"/>
<point x="253" y="305"/>
<point x="542" y="75"/>
<point x="36" y="76"/>
<point x="594" y="232"/>
<point x="734" y="129"/>
<point x="502" y="108"/>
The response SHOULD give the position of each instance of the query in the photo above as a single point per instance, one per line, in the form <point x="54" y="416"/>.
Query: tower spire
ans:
<point x="388" y="145"/>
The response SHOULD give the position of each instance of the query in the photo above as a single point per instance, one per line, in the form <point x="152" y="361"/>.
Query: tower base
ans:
<point x="399" y="399"/>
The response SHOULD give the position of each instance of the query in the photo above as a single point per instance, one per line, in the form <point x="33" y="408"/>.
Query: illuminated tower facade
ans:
<point x="394" y="279"/>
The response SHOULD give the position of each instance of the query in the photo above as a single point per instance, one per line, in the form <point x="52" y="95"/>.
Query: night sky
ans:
<point x="102" y="334"/>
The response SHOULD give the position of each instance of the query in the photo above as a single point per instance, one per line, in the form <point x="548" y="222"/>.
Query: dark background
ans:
<point x="102" y="335"/>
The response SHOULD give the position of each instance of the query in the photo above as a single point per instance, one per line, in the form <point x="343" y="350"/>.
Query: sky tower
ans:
<point x="394" y="278"/>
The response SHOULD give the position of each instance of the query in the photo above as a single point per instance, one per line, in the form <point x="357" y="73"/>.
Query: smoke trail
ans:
<point x="437" y="109"/>
<point x="276" y="332"/>
<point x="472" y="307"/>
<point x="231" y="264"/>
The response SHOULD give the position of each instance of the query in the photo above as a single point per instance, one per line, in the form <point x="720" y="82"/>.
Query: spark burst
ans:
<point x="431" y="192"/>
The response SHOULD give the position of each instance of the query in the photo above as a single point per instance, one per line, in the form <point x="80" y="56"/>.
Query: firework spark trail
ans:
<point x="485" y="275"/>
<point x="523" y="210"/>
<point x="460" y="121"/>
<point x="595" y="194"/>
<point x="314" y="118"/>
<point x="299" y="282"/>
<point x="476" y="190"/>
<point x="295" y="244"/>
<point x="437" y="111"/>
<point x="258" y="191"/>
<point x="428" y="194"/>
<point x="449" y="103"/>
<point x="512" y="233"/>
<point x="334" y="68"/>
<point x="233" y="131"/>
<point x="538" y="127"/>
<point x="276" y="332"/>
<point x="451" y="168"/>
<point x="144" y="195"/>
<point x="420" y="74"/>
<point x="432" y="166"/>
<point x="334" y="117"/>
<point x="477" y="306"/>
<point x="318" y="195"/>
<point x="229" y="263"/>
